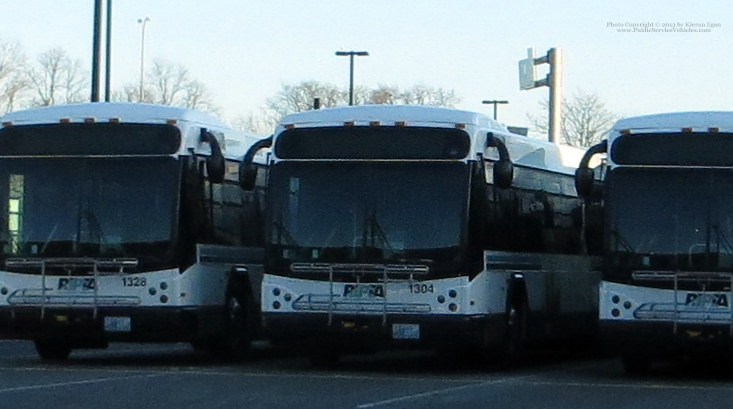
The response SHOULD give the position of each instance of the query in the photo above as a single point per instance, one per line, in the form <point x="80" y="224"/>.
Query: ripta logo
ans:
<point x="74" y="284"/>
<point x="704" y="299"/>
<point x="363" y="290"/>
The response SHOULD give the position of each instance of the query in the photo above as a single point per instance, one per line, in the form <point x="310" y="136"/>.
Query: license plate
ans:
<point x="117" y="324"/>
<point x="363" y="291"/>
<point x="707" y="300"/>
<point x="405" y="331"/>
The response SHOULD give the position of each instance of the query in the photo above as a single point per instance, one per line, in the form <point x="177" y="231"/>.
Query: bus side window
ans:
<point x="15" y="212"/>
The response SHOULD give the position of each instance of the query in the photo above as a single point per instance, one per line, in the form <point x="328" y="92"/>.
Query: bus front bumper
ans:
<point x="82" y="325"/>
<point x="663" y="337"/>
<point x="375" y="331"/>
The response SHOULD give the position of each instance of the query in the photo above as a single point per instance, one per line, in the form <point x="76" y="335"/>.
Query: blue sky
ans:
<point x="244" y="50"/>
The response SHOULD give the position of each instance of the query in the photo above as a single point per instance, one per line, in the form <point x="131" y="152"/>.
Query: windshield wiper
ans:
<point x="620" y="239"/>
<point x="283" y="235"/>
<point x="374" y="231"/>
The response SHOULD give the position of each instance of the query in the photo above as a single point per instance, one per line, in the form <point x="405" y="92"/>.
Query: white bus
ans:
<point x="125" y="222"/>
<point x="668" y="270"/>
<point x="411" y="225"/>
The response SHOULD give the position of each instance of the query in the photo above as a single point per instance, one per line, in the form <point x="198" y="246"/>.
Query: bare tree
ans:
<point x="422" y="94"/>
<point x="385" y="94"/>
<point x="57" y="79"/>
<point x="13" y="78"/>
<point x="300" y="97"/>
<point x="258" y="124"/>
<point x="585" y="119"/>
<point x="167" y="83"/>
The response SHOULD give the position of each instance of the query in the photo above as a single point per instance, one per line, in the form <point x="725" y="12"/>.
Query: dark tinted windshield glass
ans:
<point x="359" y="212"/>
<point x="89" y="208"/>
<point x="671" y="219"/>
<point x="373" y="143"/>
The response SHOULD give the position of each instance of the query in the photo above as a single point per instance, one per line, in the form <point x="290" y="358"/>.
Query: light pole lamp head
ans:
<point x="357" y="53"/>
<point x="143" y="20"/>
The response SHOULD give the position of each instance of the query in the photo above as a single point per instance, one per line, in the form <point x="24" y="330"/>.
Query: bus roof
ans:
<point x="234" y="146"/>
<point x="523" y="150"/>
<point x="104" y="111"/>
<point x="413" y="115"/>
<point x="675" y="121"/>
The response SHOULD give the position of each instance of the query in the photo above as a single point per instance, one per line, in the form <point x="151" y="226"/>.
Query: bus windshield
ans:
<point x="671" y="219"/>
<point x="89" y="207"/>
<point x="368" y="212"/>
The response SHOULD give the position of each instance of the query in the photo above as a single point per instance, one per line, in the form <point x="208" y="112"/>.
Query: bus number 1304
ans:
<point x="421" y="288"/>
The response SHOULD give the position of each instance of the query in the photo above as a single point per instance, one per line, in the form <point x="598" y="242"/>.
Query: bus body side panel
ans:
<point x="559" y="290"/>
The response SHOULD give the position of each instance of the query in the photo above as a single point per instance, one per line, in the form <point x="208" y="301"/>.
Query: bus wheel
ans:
<point x="635" y="363"/>
<point x="515" y="329"/>
<point x="53" y="349"/>
<point x="238" y="339"/>
<point x="323" y="357"/>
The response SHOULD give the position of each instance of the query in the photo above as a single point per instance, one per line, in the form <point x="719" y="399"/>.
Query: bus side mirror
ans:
<point x="503" y="173"/>
<point x="215" y="163"/>
<point x="247" y="168"/>
<point x="247" y="176"/>
<point x="503" y="169"/>
<point x="584" y="182"/>
<point x="584" y="177"/>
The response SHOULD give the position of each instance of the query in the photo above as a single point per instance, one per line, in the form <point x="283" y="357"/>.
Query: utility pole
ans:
<point x="495" y="103"/>
<point x="553" y="80"/>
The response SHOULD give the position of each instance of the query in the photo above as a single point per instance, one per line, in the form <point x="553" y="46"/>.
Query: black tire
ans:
<point x="514" y="339"/>
<point x="635" y="364"/>
<point x="237" y="340"/>
<point x="323" y="358"/>
<point x="53" y="349"/>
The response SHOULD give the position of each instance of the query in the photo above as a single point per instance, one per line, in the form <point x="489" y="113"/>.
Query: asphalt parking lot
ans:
<point x="173" y="376"/>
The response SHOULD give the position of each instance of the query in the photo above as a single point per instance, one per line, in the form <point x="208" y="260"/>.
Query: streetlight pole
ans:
<point x="144" y="22"/>
<point x="96" y="45"/>
<point x="108" y="59"/>
<point x="495" y="103"/>
<point x="351" y="55"/>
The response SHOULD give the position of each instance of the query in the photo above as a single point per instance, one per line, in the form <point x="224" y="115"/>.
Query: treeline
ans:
<point x="53" y="77"/>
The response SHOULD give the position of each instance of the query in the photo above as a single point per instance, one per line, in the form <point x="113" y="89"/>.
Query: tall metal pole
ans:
<point x="144" y="22"/>
<point x="96" y="44"/>
<point x="351" y="55"/>
<point x="108" y="61"/>
<point x="495" y="103"/>
<point x="555" y="120"/>
<point x="553" y="80"/>
<point x="351" y="79"/>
